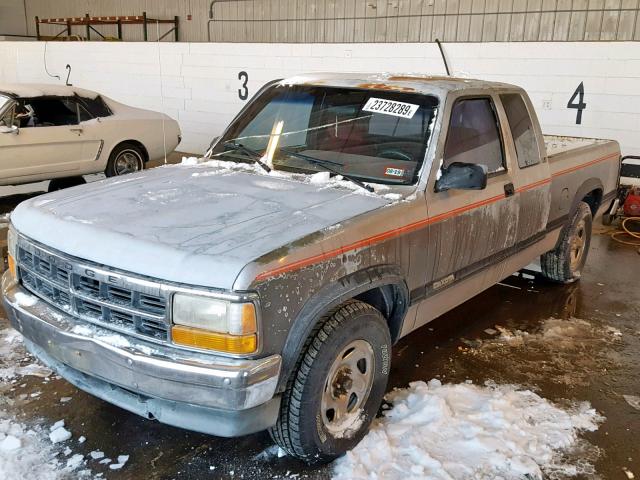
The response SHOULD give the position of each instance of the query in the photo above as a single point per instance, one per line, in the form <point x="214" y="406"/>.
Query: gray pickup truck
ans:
<point x="263" y="286"/>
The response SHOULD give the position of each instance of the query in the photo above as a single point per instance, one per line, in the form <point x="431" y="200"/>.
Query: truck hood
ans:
<point x="195" y="225"/>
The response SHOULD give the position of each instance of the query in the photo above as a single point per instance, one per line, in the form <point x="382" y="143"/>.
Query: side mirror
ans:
<point x="462" y="176"/>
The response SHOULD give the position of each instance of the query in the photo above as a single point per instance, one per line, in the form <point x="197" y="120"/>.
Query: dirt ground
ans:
<point x="568" y="343"/>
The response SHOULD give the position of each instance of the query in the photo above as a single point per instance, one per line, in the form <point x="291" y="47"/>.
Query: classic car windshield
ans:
<point x="3" y="102"/>
<point x="377" y="136"/>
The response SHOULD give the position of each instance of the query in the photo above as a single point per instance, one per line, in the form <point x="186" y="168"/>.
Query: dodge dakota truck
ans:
<point x="263" y="286"/>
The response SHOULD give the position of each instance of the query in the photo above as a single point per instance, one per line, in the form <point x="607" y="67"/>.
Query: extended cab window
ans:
<point x="377" y="136"/>
<point x="474" y="135"/>
<point x="521" y="128"/>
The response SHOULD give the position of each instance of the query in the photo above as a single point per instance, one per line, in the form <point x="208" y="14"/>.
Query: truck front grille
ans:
<point x="93" y="293"/>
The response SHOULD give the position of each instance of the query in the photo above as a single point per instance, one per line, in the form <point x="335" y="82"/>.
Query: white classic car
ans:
<point x="62" y="132"/>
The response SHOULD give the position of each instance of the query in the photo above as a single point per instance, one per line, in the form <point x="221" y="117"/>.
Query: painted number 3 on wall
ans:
<point x="243" y="92"/>
<point x="580" y="105"/>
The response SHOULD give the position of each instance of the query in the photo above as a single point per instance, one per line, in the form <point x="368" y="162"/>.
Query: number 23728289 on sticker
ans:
<point x="390" y="107"/>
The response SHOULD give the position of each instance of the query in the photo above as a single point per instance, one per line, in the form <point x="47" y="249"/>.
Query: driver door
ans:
<point x="42" y="148"/>
<point x="469" y="230"/>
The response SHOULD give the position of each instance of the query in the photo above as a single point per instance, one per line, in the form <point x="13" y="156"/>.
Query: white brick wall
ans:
<point x="197" y="83"/>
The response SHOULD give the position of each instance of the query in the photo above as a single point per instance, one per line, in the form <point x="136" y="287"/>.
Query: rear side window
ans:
<point x="95" y="107"/>
<point x="522" y="132"/>
<point x="474" y="135"/>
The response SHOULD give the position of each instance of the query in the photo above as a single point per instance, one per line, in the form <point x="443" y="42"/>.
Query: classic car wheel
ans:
<point x="338" y="385"/>
<point x="125" y="158"/>
<point x="565" y="263"/>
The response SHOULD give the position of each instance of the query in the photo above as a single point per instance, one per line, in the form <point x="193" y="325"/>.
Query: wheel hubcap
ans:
<point x="347" y="388"/>
<point x="128" y="161"/>
<point x="577" y="245"/>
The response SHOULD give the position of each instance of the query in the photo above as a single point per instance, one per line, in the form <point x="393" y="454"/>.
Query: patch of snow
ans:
<point x="25" y="300"/>
<point x="55" y="426"/>
<point x="456" y="431"/>
<point x="392" y="196"/>
<point x="122" y="459"/>
<point x="65" y="399"/>
<point x="75" y="461"/>
<point x="320" y="178"/>
<point x="97" y="454"/>
<point x="60" y="434"/>
<point x="632" y="400"/>
<point x="10" y="443"/>
<point x="82" y="439"/>
<point x="190" y="161"/>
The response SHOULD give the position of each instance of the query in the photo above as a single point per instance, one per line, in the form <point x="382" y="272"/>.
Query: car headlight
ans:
<point x="213" y="323"/>
<point x="12" y="250"/>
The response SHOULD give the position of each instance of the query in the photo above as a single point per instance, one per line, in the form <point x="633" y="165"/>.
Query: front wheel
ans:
<point x="338" y="385"/>
<point x="125" y="158"/>
<point x="564" y="264"/>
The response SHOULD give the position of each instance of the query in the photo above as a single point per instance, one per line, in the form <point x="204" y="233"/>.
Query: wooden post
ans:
<point x="68" y="27"/>
<point x="37" y="28"/>
<point x="119" y="29"/>
<point x="144" y="23"/>
<point x="88" y="26"/>
<point x="175" y="19"/>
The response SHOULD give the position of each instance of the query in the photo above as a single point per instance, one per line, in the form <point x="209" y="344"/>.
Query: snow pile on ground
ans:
<point x="26" y="454"/>
<point x="30" y="453"/>
<point x="461" y="431"/>
<point x="12" y="356"/>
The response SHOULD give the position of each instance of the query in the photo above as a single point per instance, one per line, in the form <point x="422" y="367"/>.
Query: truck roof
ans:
<point x="401" y="82"/>
<point x="33" y="90"/>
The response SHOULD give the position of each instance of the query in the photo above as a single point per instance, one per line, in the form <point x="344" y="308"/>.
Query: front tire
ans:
<point x="125" y="158"/>
<point x="564" y="264"/>
<point x="338" y="385"/>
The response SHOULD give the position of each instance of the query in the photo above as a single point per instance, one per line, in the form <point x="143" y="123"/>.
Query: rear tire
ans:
<point x="564" y="264"/>
<point x="338" y="385"/>
<point x="125" y="158"/>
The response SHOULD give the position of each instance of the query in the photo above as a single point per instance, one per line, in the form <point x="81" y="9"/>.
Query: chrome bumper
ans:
<point x="215" y="395"/>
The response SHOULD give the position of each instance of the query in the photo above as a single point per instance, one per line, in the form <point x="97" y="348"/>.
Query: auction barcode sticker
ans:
<point x="390" y="107"/>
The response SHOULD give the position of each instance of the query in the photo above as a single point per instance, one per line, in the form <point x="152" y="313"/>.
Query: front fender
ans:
<point x="332" y="295"/>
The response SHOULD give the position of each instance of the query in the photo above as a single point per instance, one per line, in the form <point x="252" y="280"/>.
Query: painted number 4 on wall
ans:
<point x="579" y="105"/>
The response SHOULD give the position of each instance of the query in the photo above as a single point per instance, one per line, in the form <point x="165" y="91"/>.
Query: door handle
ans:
<point x="77" y="130"/>
<point x="509" y="189"/>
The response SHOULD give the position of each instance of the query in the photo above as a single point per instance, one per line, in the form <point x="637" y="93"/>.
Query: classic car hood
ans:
<point x="197" y="225"/>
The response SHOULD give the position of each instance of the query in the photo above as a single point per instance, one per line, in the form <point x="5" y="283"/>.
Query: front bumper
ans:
<point x="206" y="393"/>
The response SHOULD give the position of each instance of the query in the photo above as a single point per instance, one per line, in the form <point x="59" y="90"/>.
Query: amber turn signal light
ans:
<point x="222" y="342"/>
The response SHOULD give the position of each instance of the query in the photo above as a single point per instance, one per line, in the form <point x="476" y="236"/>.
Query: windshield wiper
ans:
<point x="326" y="164"/>
<point x="254" y="155"/>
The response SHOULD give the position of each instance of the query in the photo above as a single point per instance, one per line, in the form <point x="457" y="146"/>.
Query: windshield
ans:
<point x="372" y="135"/>
<point x="3" y="102"/>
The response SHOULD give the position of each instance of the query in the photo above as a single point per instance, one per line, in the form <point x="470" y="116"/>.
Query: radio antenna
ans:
<point x="444" y="58"/>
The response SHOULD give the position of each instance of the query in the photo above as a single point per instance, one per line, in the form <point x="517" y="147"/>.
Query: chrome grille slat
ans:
<point x="113" y="300"/>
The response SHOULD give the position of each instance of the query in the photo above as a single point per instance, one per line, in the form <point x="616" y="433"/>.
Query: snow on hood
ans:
<point x="197" y="225"/>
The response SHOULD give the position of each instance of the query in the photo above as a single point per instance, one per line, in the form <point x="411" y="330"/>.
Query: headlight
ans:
<point x="212" y="323"/>
<point x="12" y="250"/>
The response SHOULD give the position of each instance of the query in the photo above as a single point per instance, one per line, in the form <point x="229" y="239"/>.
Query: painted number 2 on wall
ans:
<point x="579" y="105"/>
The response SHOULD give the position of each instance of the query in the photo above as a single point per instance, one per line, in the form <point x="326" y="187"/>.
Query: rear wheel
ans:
<point x="338" y="385"/>
<point x="564" y="264"/>
<point x="125" y="158"/>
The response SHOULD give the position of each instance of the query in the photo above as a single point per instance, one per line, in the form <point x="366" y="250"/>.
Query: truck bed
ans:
<point x="589" y="163"/>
